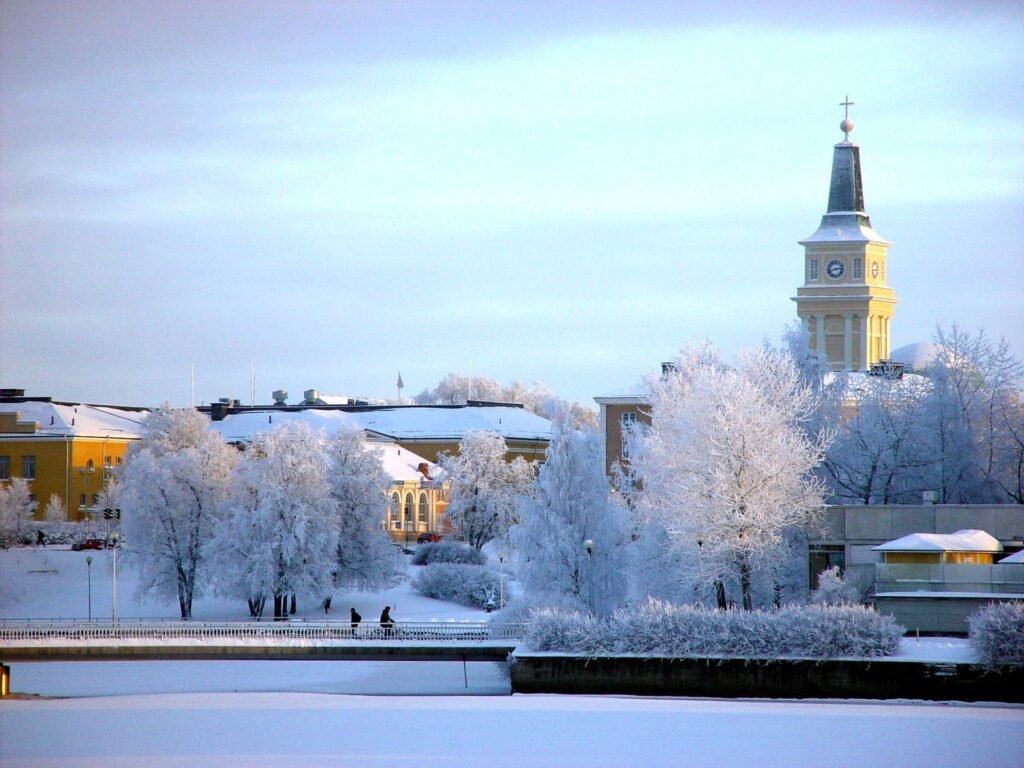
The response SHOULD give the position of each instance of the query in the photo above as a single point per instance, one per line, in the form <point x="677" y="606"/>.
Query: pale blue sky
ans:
<point x="566" y="193"/>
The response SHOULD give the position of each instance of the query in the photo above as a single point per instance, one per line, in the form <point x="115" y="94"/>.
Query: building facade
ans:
<point x="63" y="448"/>
<point x="845" y="305"/>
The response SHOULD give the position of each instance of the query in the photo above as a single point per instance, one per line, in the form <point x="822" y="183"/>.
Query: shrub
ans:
<point x="448" y="551"/>
<point x="472" y="585"/>
<point x="997" y="634"/>
<point x="662" y="629"/>
<point x="833" y="589"/>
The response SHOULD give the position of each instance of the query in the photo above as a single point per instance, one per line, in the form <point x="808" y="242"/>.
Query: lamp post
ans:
<point x="589" y="546"/>
<point x="113" y="610"/>
<point x="501" y="580"/>
<point x="88" y="562"/>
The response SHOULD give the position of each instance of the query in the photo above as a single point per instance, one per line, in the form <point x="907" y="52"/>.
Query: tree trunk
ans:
<point x="720" y="595"/>
<point x="256" y="605"/>
<point x="748" y="604"/>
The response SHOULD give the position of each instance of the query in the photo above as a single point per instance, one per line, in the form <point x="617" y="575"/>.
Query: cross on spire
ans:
<point x="847" y="104"/>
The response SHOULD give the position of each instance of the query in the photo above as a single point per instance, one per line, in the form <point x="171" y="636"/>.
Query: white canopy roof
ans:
<point x="1016" y="557"/>
<point x="966" y="540"/>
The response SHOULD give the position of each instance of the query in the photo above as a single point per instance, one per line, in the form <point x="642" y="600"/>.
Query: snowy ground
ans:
<point x="307" y="713"/>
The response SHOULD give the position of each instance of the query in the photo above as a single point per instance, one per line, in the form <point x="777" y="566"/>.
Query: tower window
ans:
<point x="812" y="270"/>
<point x="858" y="271"/>
<point x="28" y="467"/>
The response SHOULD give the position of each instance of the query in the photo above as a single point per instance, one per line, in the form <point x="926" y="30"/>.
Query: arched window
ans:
<point x="408" y="511"/>
<point x="423" y="511"/>
<point x="393" y="511"/>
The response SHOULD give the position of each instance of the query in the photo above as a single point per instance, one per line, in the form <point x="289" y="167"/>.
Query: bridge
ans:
<point x="40" y="640"/>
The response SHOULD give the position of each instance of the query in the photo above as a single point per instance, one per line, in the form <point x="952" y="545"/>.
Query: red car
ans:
<point x="428" y="538"/>
<point x="90" y="543"/>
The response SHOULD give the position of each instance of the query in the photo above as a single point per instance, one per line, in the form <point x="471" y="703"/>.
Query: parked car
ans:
<point x="428" y="538"/>
<point x="92" y="542"/>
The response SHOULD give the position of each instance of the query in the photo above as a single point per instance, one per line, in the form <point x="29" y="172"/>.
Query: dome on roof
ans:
<point x="917" y="356"/>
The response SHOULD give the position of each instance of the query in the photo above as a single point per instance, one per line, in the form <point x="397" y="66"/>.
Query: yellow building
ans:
<point x="965" y="547"/>
<point x="67" y="449"/>
<point x="844" y="304"/>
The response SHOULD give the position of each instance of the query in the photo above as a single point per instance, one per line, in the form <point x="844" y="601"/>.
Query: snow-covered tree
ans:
<point x="572" y="505"/>
<point x="278" y="536"/>
<point x="880" y="453"/>
<point x="484" y="488"/>
<point x="973" y="419"/>
<point x="55" y="512"/>
<point x="833" y="589"/>
<point x="725" y="466"/>
<point x="17" y="508"/>
<point x="172" y="482"/>
<point x="358" y="481"/>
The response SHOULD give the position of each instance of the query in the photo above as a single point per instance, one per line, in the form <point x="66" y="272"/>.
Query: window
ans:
<point x="81" y="500"/>
<point x="5" y="467"/>
<point x="812" y="270"/>
<point x="408" y="510"/>
<point x="423" y="509"/>
<point x="393" y="512"/>
<point x="95" y="499"/>
<point x="627" y="423"/>
<point x="28" y="467"/>
<point x="858" y="271"/>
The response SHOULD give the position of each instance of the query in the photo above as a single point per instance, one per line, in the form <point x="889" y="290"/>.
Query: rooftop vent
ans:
<point x="280" y="396"/>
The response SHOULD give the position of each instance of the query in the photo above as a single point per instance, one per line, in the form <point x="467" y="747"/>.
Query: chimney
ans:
<point x="424" y="469"/>
<point x="668" y="368"/>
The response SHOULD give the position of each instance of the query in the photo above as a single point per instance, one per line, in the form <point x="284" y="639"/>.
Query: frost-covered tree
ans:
<point x="880" y="452"/>
<point x="726" y="467"/>
<point x="484" y="488"/>
<point x="172" y="483"/>
<point x="571" y="505"/>
<point x="358" y="481"/>
<point x="972" y="419"/>
<point x="55" y="512"/>
<point x="17" y="508"/>
<point x="278" y="535"/>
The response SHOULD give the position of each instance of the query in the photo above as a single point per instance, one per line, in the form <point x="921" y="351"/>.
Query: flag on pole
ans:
<point x="400" y="383"/>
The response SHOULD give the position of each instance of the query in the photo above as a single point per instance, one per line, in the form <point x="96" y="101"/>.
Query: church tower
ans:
<point x="844" y="304"/>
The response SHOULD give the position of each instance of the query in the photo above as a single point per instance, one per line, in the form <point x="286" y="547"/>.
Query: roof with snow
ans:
<point x="449" y="423"/>
<point x="60" y="419"/>
<point x="1016" y="557"/>
<point x="966" y="540"/>
<point x="916" y="356"/>
<point x="402" y="464"/>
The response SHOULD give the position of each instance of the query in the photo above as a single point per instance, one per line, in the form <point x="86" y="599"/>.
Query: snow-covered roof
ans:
<point x="403" y="423"/>
<point x="966" y="540"/>
<point x="1016" y="557"/>
<point x="844" y="228"/>
<point x="59" y="419"/>
<point x="402" y="464"/>
<point x="638" y="391"/>
<point x="861" y="385"/>
<point x="916" y="356"/>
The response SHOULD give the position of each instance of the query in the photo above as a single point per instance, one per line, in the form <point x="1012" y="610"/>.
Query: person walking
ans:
<point x="386" y="622"/>
<point x="356" y="618"/>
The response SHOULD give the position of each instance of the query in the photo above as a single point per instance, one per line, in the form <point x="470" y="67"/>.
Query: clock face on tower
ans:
<point x="874" y="269"/>
<point x="835" y="269"/>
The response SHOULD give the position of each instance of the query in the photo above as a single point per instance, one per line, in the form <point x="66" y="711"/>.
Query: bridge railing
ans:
<point x="12" y="632"/>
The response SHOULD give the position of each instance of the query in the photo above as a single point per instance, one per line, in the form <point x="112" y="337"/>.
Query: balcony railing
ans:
<point x="949" y="577"/>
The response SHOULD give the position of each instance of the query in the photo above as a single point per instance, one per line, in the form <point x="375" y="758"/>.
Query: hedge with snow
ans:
<point x="661" y="629"/>
<point x="474" y="585"/>
<point x="997" y="634"/>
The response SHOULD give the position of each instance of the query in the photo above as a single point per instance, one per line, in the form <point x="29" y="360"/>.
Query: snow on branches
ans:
<point x="484" y="488"/>
<point x="725" y="466"/>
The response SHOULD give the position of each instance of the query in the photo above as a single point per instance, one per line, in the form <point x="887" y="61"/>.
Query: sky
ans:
<point x="318" y="195"/>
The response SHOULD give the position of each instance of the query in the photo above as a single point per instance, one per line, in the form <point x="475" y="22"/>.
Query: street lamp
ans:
<point x="501" y="580"/>
<point x="113" y="610"/>
<point x="589" y="546"/>
<point x="88" y="562"/>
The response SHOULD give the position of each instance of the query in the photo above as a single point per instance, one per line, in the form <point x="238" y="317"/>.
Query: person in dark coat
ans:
<point x="386" y="622"/>
<point x="356" y="618"/>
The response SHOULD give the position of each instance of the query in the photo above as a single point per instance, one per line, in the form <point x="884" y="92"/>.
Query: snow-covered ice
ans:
<point x="312" y="713"/>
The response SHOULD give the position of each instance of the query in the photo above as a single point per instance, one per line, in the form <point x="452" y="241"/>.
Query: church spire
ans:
<point x="845" y="218"/>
